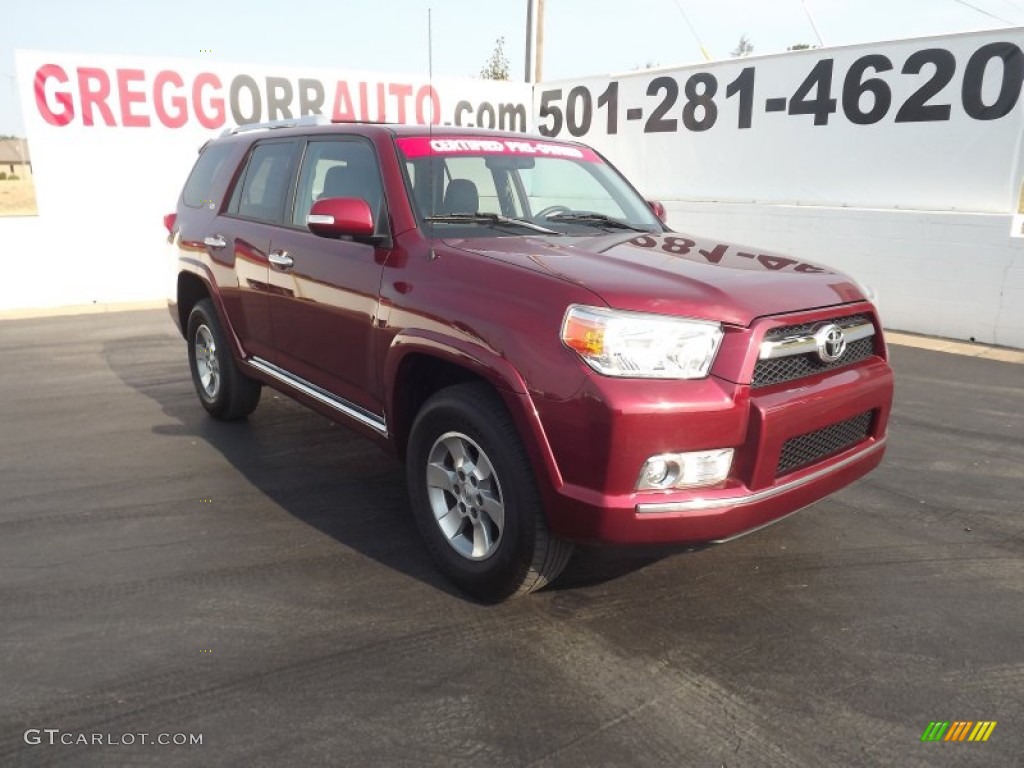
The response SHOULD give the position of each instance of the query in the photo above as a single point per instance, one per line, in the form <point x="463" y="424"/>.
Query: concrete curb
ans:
<point x="966" y="348"/>
<point x="80" y="309"/>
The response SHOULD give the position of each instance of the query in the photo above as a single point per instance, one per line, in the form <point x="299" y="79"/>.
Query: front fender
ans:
<point x="498" y="372"/>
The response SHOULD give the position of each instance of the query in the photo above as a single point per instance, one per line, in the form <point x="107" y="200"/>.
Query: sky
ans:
<point x="581" y="37"/>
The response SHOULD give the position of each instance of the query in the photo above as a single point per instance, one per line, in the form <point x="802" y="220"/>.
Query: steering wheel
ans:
<point x="543" y="214"/>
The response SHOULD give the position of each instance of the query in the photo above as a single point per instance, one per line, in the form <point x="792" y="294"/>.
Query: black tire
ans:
<point x="227" y="394"/>
<point x="523" y="555"/>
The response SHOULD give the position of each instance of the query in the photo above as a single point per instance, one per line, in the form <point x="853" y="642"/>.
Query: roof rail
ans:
<point x="289" y="122"/>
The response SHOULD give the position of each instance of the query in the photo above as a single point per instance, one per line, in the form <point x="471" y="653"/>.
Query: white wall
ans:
<point x="941" y="273"/>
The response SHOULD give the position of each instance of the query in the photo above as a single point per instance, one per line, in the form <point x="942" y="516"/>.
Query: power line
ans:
<point x="986" y="13"/>
<point x="814" y="26"/>
<point x="693" y="31"/>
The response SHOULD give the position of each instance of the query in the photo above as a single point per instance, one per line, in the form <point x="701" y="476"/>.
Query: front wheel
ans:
<point x="475" y="499"/>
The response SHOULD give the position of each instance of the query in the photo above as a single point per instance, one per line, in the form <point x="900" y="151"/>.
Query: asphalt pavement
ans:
<point x="262" y="586"/>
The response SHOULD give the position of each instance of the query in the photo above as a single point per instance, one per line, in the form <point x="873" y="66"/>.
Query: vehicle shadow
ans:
<point x="592" y="565"/>
<point x="319" y="472"/>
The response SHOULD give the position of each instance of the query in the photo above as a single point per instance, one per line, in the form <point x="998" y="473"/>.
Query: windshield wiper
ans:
<point x="597" y="219"/>
<point x="488" y="218"/>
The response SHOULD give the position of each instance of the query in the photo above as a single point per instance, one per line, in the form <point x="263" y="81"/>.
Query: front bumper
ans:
<point x="730" y="515"/>
<point x="758" y="491"/>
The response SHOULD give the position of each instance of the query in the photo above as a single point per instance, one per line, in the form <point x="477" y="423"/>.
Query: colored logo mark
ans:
<point x="959" y="730"/>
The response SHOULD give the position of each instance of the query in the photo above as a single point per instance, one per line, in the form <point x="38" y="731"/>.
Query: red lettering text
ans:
<point x="401" y="92"/>
<point x="180" y="116"/>
<point x="216" y="120"/>
<point x="128" y="97"/>
<point x="63" y="98"/>
<point x="344" y="109"/>
<point x="94" y="96"/>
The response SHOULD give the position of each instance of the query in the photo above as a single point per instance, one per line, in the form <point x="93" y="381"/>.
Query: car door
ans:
<point x="324" y="292"/>
<point x="256" y="209"/>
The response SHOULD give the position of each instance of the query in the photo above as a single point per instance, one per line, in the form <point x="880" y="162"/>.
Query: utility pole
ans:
<point x="540" y="40"/>
<point x="534" y="40"/>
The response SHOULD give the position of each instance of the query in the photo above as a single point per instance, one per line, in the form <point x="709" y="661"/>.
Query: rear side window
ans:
<point x="208" y="168"/>
<point x="263" y="190"/>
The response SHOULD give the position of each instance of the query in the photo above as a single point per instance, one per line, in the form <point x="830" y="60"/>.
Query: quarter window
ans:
<point x="208" y="168"/>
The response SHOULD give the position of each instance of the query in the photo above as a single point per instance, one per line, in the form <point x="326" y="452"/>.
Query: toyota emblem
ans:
<point x="830" y="341"/>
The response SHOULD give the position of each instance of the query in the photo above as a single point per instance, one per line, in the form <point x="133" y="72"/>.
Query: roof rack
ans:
<point x="290" y="122"/>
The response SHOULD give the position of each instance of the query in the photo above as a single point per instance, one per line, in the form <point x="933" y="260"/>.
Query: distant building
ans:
<point x="14" y="157"/>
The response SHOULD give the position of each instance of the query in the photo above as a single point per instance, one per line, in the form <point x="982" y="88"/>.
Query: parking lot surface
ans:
<point x="262" y="584"/>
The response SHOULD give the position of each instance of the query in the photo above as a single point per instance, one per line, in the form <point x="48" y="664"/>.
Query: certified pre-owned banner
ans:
<point x="925" y="124"/>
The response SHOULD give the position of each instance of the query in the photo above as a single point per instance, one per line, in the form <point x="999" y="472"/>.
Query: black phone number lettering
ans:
<point x="865" y="96"/>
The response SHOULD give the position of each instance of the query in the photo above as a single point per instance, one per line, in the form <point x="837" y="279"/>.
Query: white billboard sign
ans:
<point x="925" y="124"/>
<point x="113" y="139"/>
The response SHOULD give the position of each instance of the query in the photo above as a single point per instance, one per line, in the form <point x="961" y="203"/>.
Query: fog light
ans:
<point x="685" y="470"/>
<point x="658" y="473"/>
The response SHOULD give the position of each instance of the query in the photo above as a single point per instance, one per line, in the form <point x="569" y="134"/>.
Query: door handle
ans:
<point x="215" y="241"/>
<point x="281" y="259"/>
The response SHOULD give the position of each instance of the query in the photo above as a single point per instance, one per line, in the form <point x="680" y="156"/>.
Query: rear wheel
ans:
<point x="225" y="392"/>
<point x="475" y="499"/>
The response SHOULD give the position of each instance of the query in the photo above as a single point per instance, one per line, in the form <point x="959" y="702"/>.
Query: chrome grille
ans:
<point x="781" y="369"/>
<point x="805" y="328"/>
<point x="802" y="451"/>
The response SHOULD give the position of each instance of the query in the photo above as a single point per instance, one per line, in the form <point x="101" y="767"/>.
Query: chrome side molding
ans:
<point x="321" y="395"/>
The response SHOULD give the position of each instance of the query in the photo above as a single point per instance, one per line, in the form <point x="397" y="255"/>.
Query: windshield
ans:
<point x="502" y="187"/>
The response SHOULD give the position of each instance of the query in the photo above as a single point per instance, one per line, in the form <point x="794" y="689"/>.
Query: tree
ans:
<point x="496" y="67"/>
<point x="801" y="47"/>
<point x="743" y="48"/>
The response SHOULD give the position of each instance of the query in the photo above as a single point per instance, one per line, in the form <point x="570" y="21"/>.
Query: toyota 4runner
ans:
<point x="509" y="317"/>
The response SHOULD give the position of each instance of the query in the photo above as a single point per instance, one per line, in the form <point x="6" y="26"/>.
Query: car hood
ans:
<point x="676" y="274"/>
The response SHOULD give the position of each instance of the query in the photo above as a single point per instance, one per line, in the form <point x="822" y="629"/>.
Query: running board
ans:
<point x="363" y="416"/>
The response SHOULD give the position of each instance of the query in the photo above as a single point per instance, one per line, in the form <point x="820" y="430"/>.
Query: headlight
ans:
<point x="619" y="343"/>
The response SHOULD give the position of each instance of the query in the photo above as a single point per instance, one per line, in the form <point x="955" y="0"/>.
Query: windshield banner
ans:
<point x="420" y="146"/>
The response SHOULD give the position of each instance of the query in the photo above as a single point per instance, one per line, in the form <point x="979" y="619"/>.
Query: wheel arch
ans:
<point x="418" y="366"/>
<point x="191" y="290"/>
<point x="194" y="286"/>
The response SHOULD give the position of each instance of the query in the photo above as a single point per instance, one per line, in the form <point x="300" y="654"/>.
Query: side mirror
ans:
<point x="658" y="209"/>
<point x="335" y="216"/>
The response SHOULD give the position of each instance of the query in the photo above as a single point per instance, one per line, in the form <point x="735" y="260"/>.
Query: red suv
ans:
<point x="512" y="319"/>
